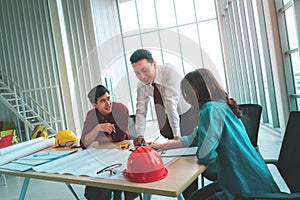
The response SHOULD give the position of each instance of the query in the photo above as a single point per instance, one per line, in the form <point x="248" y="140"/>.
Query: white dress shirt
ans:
<point x="168" y="81"/>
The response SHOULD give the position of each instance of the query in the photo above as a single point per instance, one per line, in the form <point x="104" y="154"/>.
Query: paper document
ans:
<point x="48" y="155"/>
<point x="19" y="146"/>
<point x="190" y="151"/>
<point x="16" y="167"/>
<point x="90" y="161"/>
<point x="28" y="162"/>
<point x="159" y="139"/>
<point x="26" y="150"/>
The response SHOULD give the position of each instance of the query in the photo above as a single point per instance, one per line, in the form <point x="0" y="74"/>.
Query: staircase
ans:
<point x="25" y="108"/>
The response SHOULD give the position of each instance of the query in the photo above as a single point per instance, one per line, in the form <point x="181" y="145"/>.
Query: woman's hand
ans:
<point x="157" y="146"/>
<point x="177" y="137"/>
<point x="170" y="144"/>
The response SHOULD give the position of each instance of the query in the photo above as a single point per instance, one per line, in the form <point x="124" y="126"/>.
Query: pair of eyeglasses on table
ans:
<point x="111" y="169"/>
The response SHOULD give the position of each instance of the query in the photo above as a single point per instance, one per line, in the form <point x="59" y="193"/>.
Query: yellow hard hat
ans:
<point x="63" y="137"/>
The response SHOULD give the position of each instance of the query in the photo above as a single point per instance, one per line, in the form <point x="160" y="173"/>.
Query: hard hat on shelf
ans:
<point x="145" y="165"/>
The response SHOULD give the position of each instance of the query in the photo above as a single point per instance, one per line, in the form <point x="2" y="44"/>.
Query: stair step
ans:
<point x="19" y="99"/>
<point x="19" y="106"/>
<point x="32" y="117"/>
<point x="10" y="93"/>
<point x="26" y="111"/>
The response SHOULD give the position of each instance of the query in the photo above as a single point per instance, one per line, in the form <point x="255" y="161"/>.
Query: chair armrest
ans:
<point x="267" y="196"/>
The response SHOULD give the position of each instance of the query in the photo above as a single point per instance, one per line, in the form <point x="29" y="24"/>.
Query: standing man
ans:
<point x="107" y="121"/>
<point x="164" y="79"/>
<point x="174" y="115"/>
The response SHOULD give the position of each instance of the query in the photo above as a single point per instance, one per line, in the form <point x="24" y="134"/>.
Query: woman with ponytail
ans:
<point x="221" y="139"/>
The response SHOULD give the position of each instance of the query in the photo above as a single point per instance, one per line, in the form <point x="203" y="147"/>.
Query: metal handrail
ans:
<point x="24" y="92"/>
<point x="26" y="100"/>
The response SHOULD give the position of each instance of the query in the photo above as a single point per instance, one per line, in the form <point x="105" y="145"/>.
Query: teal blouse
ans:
<point x="222" y="138"/>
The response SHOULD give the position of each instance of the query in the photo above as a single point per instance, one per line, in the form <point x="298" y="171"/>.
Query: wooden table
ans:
<point x="181" y="173"/>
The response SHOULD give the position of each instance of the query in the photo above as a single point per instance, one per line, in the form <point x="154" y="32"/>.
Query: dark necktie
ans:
<point x="163" y="122"/>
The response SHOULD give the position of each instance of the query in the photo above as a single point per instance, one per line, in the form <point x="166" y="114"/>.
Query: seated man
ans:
<point x="107" y="121"/>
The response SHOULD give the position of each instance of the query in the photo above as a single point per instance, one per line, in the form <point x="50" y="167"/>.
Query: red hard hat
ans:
<point x="145" y="165"/>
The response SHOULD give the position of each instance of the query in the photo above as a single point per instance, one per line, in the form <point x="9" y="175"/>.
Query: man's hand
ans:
<point x="139" y="141"/>
<point x="107" y="127"/>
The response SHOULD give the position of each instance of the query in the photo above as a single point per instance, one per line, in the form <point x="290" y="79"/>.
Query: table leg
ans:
<point x="24" y="189"/>
<point x="180" y="197"/>
<point x="72" y="190"/>
<point x="4" y="178"/>
<point x="146" y="196"/>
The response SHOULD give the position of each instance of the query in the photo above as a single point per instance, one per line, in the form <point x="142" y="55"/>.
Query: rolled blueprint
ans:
<point x="19" y="146"/>
<point x="26" y="150"/>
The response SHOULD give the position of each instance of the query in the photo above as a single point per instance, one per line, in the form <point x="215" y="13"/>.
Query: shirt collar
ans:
<point x="158" y="77"/>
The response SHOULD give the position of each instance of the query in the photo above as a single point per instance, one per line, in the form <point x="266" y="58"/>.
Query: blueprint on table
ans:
<point x="88" y="162"/>
<point x="28" y="162"/>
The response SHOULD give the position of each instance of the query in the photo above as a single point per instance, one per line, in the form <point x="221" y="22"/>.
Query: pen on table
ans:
<point x="163" y="151"/>
<point x="41" y="154"/>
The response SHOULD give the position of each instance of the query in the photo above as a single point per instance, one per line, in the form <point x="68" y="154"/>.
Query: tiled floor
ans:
<point x="269" y="145"/>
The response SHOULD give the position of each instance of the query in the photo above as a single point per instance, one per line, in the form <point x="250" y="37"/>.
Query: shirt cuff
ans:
<point x="188" y="139"/>
<point x="185" y="141"/>
<point x="176" y="133"/>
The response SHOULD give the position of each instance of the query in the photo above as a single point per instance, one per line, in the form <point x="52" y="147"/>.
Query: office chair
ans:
<point x="132" y="129"/>
<point x="251" y="115"/>
<point x="287" y="164"/>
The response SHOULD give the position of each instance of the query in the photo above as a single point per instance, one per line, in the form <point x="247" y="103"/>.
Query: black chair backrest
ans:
<point x="251" y="115"/>
<point x="288" y="163"/>
<point x="132" y="129"/>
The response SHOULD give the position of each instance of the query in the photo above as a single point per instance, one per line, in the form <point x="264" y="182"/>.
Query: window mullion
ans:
<point x="297" y="20"/>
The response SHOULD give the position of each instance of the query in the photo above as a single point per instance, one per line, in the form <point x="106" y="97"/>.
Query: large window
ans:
<point x="289" y="24"/>
<point x="185" y="35"/>
<point x="250" y="74"/>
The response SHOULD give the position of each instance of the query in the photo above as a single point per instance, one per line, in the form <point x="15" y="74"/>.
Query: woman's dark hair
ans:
<point x="141" y="54"/>
<point x="97" y="92"/>
<point x="201" y="86"/>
